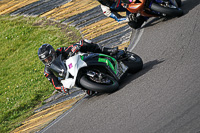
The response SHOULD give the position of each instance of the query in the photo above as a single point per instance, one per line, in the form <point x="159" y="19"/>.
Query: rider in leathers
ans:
<point x="111" y="7"/>
<point x="47" y="54"/>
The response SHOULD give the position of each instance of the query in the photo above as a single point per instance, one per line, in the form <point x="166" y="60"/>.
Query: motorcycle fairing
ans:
<point x="58" y="67"/>
<point x="119" y="67"/>
<point x="115" y="68"/>
<point x="110" y="61"/>
<point x="73" y="65"/>
<point x="139" y="7"/>
<point x="136" y="7"/>
<point x="92" y="60"/>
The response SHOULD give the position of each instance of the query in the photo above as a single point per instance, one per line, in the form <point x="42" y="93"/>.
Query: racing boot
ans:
<point x="137" y="22"/>
<point x="109" y="51"/>
<point x="90" y="93"/>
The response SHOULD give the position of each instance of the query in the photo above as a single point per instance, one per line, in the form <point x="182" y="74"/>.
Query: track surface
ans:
<point x="163" y="98"/>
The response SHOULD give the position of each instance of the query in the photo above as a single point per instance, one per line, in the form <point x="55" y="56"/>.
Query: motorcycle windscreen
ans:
<point x="58" y="67"/>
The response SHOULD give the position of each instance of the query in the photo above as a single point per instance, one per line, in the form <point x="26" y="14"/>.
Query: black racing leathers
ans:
<point x="65" y="51"/>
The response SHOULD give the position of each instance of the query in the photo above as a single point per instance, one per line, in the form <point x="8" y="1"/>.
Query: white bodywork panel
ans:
<point x="73" y="64"/>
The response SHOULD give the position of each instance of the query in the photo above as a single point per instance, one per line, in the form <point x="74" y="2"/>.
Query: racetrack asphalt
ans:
<point x="163" y="98"/>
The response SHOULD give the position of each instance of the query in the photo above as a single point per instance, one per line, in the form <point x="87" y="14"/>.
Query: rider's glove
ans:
<point x="125" y="5"/>
<point x="64" y="90"/>
<point x="132" y="17"/>
<point x="75" y="49"/>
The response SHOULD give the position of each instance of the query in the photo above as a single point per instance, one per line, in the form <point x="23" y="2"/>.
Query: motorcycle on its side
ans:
<point x="94" y="71"/>
<point x="153" y="8"/>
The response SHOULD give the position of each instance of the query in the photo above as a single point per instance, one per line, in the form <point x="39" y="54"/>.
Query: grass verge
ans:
<point x="22" y="83"/>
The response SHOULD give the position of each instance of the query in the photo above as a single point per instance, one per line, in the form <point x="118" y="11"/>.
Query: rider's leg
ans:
<point x="109" y="51"/>
<point x="89" y="92"/>
<point x="88" y="46"/>
<point x="112" y="13"/>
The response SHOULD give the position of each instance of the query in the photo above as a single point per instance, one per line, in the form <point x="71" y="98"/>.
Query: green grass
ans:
<point x="22" y="83"/>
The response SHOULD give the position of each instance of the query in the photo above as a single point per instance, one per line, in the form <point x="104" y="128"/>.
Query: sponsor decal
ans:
<point x="70" y="66"/>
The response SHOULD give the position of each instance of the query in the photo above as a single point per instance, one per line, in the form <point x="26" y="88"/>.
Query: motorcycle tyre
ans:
<point x="170" y="12"/>
<point x="133" y="65"/>
<point x="179" y="3"/>
<point x="93" y="86"/>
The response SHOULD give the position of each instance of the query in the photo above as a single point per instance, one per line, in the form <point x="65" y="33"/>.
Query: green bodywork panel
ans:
<point x="114" y="68"/>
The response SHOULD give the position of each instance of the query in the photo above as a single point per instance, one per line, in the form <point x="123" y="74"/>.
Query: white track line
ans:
<point x="136" y="38"/>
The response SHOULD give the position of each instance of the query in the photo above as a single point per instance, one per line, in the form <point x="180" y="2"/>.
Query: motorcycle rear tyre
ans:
<point x="179" y="3"/>
<point x="93" y="86"/>
<point x="134" y="64"/>
<point x="170" y="12"/>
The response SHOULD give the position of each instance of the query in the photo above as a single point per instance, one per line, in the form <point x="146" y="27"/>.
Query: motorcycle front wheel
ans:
<point x="167" y="10"/>
<point x="108" y="86"/>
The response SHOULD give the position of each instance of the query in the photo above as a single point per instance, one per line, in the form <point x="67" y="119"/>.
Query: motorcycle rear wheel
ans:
<point x="87" y="83"/>
<point x="134" y="63"/>
<point x="170" y="12"/>
<point x="179" y="3"/>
